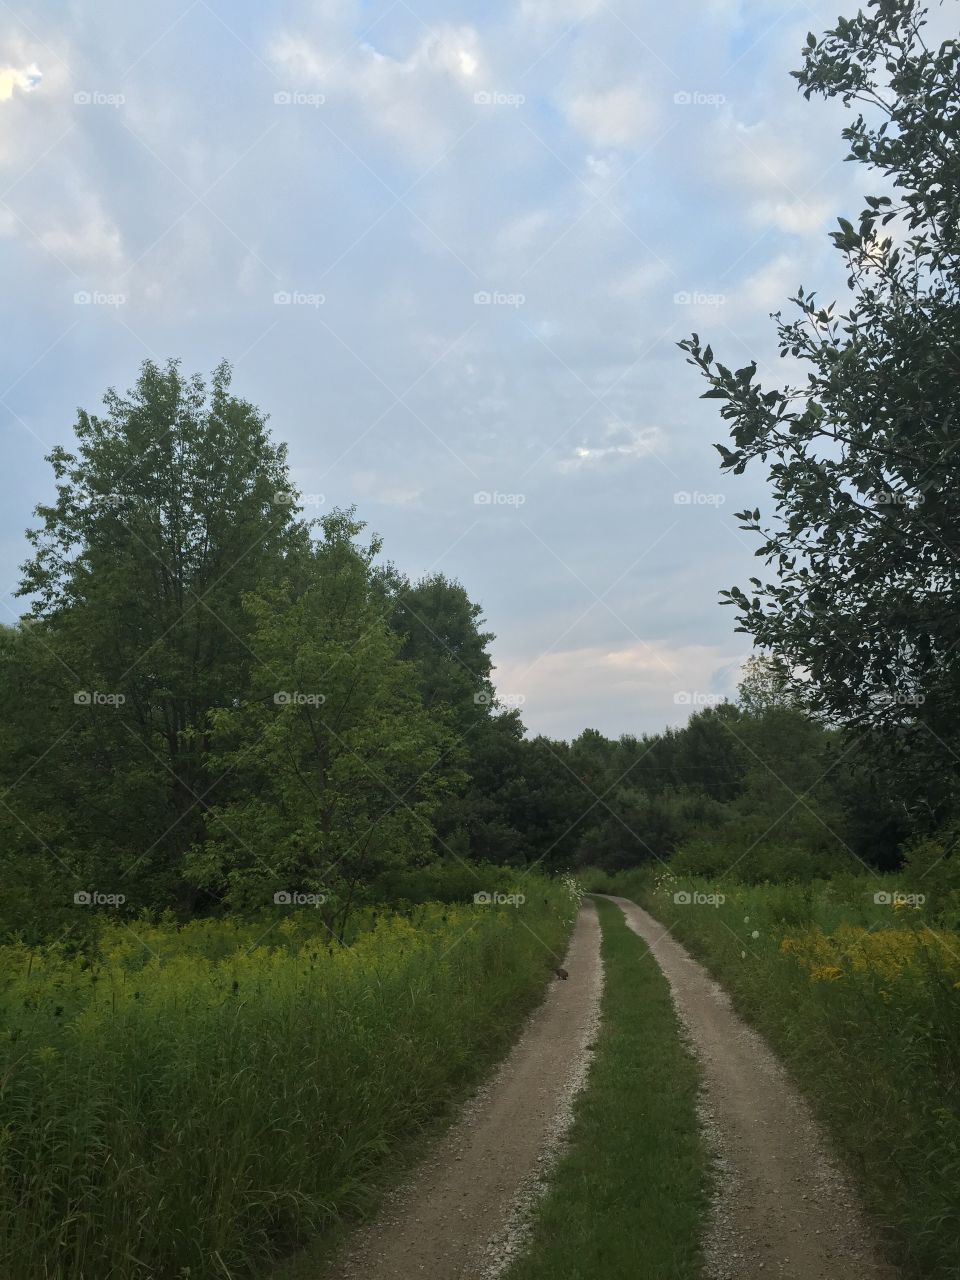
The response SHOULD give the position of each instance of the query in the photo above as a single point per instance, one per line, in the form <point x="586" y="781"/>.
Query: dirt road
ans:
<point x="784" y="1208"/>
<point x="460" y="1216"/>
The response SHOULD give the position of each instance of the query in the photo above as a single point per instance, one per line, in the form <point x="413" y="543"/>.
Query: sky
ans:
<point x="449" y="249"/>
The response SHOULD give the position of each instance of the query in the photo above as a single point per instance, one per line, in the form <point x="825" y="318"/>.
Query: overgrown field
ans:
<point x="862" y="999"/>
<point x="196" y="1101"/>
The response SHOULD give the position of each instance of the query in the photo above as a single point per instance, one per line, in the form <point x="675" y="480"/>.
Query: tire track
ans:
<point x="462" y="1212"/>
<point x="783" y="1206"/>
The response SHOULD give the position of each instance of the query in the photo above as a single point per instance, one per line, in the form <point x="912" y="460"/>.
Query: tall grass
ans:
<point x="863" y="1002"/>
<point x="194" y="1107"/>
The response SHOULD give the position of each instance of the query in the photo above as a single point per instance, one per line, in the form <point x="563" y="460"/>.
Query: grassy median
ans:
<point x="629" y="1197"/>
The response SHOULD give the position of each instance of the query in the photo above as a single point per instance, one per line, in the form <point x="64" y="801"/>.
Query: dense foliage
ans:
<point x="861" y="453"/>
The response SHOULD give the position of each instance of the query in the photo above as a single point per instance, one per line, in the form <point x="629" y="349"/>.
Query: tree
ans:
<point x="764" y="686"/>
<point x="862" y="456"/>
<point x="440" y="626"/>
<point x="172" y="505"/>
<point x="331" y="754"/>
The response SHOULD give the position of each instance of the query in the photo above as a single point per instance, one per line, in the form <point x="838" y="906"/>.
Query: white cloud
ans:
<point x="25" y="79"/>
<point x="620" y="442"/>
<point x="801" y="217"/>
<point x="769" y="288"/>
<point x="640" y="283"/>
<point x="370" y="485"/>
<point x="419" y="99"/>
<point x="552" y="13"/>
<point x="767" y="160"/>
<point x="620" y="117"/>
<point x="88" y="240"/>
<point x="638" y="686"/>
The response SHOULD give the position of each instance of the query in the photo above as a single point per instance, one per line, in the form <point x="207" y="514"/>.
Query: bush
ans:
<point x="932" y="867"/>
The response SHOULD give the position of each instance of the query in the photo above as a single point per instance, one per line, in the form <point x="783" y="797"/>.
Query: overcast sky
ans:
<point x="449" y="248"/>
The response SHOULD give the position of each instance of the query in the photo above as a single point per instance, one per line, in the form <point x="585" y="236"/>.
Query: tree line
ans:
<point x="213" y="699"/>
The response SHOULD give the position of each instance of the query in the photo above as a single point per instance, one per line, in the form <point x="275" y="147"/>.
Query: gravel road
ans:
<point x="462" y="1213"/>
<point x="783" y="1206"/>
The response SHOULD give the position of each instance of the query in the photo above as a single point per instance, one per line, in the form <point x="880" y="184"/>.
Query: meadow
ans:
<point x="857" y="986"/>
<point x="199" y="1099"/>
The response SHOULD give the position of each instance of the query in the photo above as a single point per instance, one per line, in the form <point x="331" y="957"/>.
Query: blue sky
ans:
<point x="493" y="223"/>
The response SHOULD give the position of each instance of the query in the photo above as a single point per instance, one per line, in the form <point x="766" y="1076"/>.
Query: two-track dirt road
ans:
<point x="782" y="1209"/>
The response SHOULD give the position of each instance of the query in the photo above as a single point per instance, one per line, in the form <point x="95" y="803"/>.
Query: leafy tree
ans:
<point x="862" y="455"/>
<point x="331" y="753"/>
<point x="170" y="507"/>
<point x="442" y="636"/>
<point x="764" y="686"/>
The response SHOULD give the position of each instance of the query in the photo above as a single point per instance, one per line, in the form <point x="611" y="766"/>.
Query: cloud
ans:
<point x="88" y="240"/>
<point x="620" y="443"/>
<point x="801" y="217"/>
<point x="620" y="117"/>
<point x="423" y="99"/>
<point x="769" y="288"/>
<point x="24" y="78"/>
<point x="399" y="393"/>
<point x="641" y="686"/>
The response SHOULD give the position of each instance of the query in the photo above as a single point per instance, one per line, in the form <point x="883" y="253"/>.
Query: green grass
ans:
<point x="863" y="1004"/>
<point x="179" y="1105"/>
<point x="629" y="1197"/>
